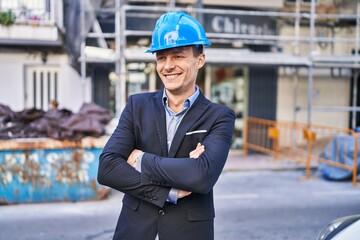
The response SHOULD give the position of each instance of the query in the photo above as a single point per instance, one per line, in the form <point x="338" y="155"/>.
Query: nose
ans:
<point x="169" y="64"/>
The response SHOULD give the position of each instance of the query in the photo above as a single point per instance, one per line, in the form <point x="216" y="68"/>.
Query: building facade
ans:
<point x="266" y="60"/>
<point x="34" y="63"/>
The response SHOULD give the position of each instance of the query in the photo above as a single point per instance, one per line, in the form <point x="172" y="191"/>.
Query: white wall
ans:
<point x="70" y="86"/>
<point x="72" y="92"/>
<point x="11" y="82"/>
<point x="327" y="91"/>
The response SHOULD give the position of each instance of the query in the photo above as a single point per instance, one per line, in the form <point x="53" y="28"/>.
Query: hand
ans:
<point x="198" y="151"/>
<point x="134" y="155"/>
<point x="182" y="194"/>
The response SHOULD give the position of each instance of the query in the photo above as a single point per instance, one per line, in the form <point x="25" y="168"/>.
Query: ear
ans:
<point x="200" y="61"/>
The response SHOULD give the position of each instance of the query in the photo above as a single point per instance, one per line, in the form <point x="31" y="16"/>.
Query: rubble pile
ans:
<point x="60" y="124"/>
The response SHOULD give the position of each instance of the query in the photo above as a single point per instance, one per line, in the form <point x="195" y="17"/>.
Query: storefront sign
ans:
<point x="250" y="25"/>
<point x="215" y="23"/>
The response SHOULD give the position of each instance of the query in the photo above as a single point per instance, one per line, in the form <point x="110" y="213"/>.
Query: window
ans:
<point x="229" y="86"/>
<point x="41" y="86"/>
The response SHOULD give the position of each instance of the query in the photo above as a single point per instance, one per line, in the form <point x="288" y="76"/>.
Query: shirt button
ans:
<point x="161" y="212"/>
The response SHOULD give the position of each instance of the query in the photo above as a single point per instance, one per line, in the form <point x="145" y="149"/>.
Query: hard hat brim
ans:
<point x="153" y="50"/>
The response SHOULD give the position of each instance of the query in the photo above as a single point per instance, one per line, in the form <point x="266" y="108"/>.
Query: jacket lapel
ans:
<point x="160" y="121"/>
<point x="194" y="113"/>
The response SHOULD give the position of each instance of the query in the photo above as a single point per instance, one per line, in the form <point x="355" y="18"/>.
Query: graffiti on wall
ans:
<point x="42" y="168"/>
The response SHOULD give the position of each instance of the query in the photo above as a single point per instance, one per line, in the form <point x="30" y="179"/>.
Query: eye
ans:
<point x="160" y="58"/>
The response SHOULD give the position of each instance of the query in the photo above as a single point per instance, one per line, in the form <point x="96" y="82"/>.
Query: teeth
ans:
<point x="171" y="76"/>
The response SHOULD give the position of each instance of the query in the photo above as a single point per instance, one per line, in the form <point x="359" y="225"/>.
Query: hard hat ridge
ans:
<point x="176" y="29"/>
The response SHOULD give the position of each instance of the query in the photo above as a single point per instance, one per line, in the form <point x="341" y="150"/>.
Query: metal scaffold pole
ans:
<point x="120" y="64"/>
<point x="82" y="47"/>
<point x="121" y="96"/>
<point x="311" y="67"/>
<point x="171" y="3"/>
<point x="296" y="52"/>
<point x="356" y="71"/>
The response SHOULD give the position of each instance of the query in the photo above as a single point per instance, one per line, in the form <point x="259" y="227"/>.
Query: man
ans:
<point x="169" y="147"/>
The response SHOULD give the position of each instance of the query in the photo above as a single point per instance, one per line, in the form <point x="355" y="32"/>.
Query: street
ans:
<point x="249" y="205"/>
<point x="279" y="205"/>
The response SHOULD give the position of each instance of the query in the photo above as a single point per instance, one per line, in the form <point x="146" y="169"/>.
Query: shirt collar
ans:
<point x="188" y="102"/>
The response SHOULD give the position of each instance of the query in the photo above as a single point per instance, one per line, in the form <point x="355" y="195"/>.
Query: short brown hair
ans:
<point x="197" y="50"/>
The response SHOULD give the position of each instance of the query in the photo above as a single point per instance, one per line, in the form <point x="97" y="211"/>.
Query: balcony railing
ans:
<point x="31" y="22"/>
<point x="39" y="12"/>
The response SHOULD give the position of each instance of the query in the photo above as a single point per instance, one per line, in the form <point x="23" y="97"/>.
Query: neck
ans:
<point x="176" y="101"/>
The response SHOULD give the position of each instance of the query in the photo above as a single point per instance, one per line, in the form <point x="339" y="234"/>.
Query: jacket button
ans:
<point x="161" y="212"/>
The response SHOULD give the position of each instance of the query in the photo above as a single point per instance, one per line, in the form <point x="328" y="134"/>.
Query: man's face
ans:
<point x="178" y="68"/>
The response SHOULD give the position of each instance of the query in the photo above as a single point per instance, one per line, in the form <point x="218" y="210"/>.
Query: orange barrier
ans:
<point x="301" y="143"/>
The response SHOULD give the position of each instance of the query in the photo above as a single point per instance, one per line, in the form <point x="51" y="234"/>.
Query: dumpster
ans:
<point x="48" y="170"/>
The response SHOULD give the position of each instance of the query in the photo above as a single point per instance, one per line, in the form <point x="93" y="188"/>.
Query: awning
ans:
<point x="231" y="56"/>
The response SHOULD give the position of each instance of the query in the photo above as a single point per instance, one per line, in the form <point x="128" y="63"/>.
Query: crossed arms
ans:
<point x="160" y="174"/>
<point x="196" y="153"/>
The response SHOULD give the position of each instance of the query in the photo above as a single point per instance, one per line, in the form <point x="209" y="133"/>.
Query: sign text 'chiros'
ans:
<point x="251" y="25"/>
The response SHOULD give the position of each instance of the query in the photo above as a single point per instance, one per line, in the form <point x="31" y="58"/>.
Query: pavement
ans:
<point x="237" y="161"/>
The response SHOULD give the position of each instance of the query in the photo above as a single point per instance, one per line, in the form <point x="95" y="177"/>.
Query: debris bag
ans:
<point x="90" y="121"/>
<point x="6" y="114"/>
<point x="340" y="149"/>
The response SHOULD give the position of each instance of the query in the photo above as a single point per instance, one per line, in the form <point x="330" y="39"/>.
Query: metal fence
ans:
<point x="304" y="144"/>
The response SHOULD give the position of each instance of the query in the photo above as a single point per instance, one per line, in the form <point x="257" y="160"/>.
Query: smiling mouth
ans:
<point x="171" y="76"/>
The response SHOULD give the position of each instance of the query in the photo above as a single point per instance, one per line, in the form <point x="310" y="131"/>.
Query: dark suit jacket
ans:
<point x="145" y="211"/>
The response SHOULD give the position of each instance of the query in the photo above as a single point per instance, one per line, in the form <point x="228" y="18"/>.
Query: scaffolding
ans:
<point x="296" y="59"/>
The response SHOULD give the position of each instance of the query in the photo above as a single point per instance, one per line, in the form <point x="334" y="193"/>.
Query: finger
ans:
<point x="199" y="150"/>
<point x="183" y="193"/>
<point x="194" y="152"/>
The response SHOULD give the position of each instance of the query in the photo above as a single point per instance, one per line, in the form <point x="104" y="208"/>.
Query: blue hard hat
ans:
<point x="177" y="29"/>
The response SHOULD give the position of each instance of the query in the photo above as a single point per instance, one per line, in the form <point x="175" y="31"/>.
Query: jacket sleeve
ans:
<point x="194" y="175"/>
<point x="116" y="173"/>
